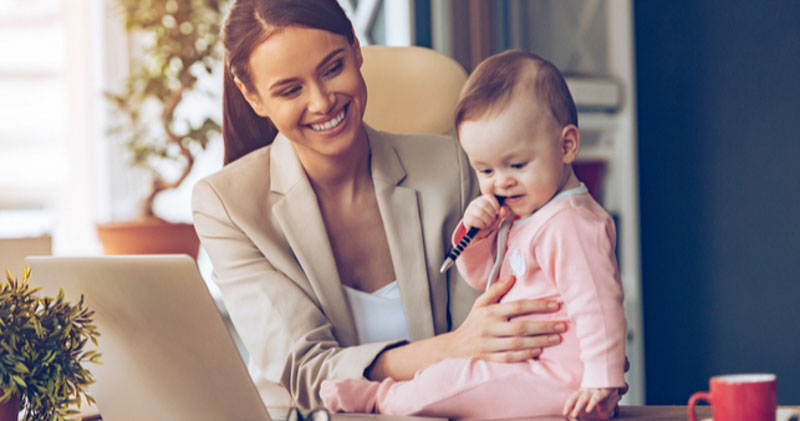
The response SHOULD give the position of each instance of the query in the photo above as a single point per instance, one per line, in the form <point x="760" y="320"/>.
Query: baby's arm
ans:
<point x="475" y="262"/>
<point x="576" y="249"/>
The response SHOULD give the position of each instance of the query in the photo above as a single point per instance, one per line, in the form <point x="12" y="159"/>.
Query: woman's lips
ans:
<point x="331" y="123"/>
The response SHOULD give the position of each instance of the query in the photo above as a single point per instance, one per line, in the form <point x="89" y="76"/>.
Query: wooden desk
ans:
<point x="639" y="413"/>
<point x="660" y="413"/>
<point x="680" y="413"/>
<point x="628" y="413"/>
<point x="670" y="413"/>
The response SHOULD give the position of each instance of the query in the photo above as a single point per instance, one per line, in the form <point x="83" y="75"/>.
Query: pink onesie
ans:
<point x="564" y="251"/>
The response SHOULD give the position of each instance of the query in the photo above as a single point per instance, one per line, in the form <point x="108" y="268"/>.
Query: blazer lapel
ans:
<point x="399" y="210"/>
<point x="299" y="217"/>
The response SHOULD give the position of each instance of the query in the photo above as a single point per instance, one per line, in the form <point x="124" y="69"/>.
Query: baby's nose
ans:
<point x="505" y="182"/>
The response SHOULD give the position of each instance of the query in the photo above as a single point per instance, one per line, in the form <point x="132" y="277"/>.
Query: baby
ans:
<point x="517" y="122"/>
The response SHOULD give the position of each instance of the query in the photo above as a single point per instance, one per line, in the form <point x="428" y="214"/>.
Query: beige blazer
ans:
<point x="259" y="221"/>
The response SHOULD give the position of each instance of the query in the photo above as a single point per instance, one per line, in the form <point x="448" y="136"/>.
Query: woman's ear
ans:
<point x="252" y="98"/>
<point x="570" y="142"/>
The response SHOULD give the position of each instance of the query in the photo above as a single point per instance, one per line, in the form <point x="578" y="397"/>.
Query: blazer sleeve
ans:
<point x="280" y="321"/>
<point x="576" y="249"/>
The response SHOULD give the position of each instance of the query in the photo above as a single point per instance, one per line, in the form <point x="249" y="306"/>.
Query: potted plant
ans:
<point x="179" y="43"/>
<point x="42" y="341"/>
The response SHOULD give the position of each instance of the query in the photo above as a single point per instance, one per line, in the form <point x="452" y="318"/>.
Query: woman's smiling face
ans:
<point x="308" y="83"/>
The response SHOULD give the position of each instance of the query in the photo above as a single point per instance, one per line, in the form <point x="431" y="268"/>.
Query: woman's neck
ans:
<point x="340" y="177"/>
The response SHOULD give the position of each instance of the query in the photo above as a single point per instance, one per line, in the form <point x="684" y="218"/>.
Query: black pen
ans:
<point x="456" y="251"/>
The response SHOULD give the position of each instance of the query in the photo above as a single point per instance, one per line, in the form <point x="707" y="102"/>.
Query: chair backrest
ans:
<point x="411" y="89"/>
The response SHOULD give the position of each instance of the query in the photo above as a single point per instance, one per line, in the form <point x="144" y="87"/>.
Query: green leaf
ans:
<point x="21" y="368"/>
<point x="7" y="393"/>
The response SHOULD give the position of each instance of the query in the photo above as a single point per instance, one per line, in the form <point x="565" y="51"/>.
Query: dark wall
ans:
<point x="718" y="91"/>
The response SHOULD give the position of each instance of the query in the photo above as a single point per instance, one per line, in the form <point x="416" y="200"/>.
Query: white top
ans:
<point x="378" y="316"/>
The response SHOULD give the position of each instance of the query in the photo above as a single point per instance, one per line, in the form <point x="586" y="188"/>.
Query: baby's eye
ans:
<point x="518" y="165"/>
<point x="485" y="171"/>
<point x="337" y="66"/>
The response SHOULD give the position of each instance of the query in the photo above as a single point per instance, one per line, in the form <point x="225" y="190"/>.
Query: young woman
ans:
<point x="325" y="235"/>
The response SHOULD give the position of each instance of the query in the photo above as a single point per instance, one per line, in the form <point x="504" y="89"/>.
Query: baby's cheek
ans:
<point x="485" y="184"/>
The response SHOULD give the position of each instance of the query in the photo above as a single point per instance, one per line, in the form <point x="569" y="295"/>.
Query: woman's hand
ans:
<point x="488" y="333"/>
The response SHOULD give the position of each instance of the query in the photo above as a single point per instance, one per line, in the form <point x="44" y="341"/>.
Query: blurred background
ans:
<point x="688" y="111"/>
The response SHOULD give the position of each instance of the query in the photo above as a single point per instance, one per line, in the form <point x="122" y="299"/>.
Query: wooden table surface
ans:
<point x="639" y="413"/>
<point x="661" y="413"/>
<point x="671" y="413"/>
<point x="629" y="413"/>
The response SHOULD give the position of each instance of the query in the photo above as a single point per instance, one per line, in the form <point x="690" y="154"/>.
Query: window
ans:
<point x="48" y="87"/>
<point x="33" y="100"/>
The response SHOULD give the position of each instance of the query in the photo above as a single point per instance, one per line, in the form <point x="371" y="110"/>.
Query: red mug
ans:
<point x="739" y="397"/>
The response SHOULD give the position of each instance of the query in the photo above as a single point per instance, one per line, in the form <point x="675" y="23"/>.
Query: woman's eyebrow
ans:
<point x="321" y="64"/>
<point x="329" y="57"/>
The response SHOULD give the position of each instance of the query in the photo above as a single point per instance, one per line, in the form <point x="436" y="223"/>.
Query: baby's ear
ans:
<point x="570" y="142"/>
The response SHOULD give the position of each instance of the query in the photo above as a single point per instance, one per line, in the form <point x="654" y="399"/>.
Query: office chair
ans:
<point x="411" y="89"/>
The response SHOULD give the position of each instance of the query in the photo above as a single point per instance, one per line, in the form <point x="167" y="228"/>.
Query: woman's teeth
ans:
<point x="330" y="123"/>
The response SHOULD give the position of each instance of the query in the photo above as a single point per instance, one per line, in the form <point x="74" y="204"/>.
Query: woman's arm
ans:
<point x="292" y="342"/>
<point x="487" y="333"/>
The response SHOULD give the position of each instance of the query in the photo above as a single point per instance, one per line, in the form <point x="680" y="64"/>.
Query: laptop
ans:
<point x="167" y="354"/>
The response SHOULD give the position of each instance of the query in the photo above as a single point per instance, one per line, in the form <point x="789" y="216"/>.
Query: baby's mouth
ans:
<point x="513" y="197"/>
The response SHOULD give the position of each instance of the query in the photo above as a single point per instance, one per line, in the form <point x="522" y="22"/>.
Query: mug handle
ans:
<point x="696" y="397"/>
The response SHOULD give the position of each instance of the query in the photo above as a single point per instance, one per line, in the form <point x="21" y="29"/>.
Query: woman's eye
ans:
<point x="518" y="165"/>
<point x="337" y="66"/>
<point x="290" y="92"/>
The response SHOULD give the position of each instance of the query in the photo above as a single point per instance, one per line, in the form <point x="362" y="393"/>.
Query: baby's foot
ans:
<point x="350" y="395"/>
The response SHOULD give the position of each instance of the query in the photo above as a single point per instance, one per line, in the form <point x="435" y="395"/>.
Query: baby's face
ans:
<point x="518" y="153"/>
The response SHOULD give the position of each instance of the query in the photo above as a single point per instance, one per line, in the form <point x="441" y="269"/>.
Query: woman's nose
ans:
<point x="321" y="99"/>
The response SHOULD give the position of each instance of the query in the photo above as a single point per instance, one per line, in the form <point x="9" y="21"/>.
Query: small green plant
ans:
<point x="179" y="42"/>
<point x="42" y="342"/>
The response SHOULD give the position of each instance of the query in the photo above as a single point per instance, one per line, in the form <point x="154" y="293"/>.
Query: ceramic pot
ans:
<point x="148" y="236"/>
<point x="9" y="411"/>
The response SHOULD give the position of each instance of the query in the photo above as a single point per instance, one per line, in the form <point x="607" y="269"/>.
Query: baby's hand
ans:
<point x="585" y="400"/>
<point x="484" y="213"/>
